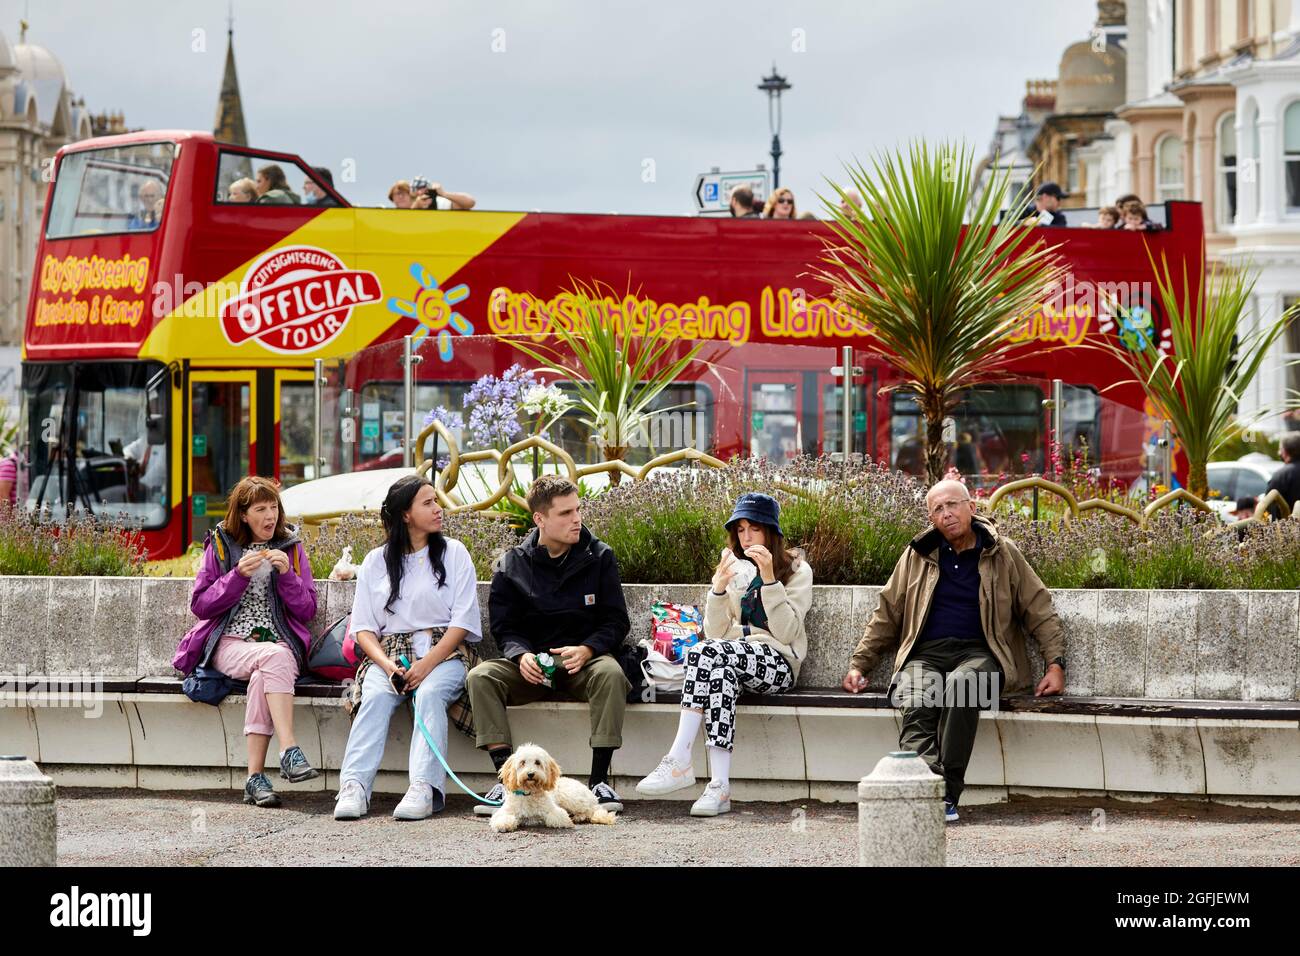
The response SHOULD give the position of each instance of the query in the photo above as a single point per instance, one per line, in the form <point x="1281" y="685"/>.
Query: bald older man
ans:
<point x="955" y="610"/>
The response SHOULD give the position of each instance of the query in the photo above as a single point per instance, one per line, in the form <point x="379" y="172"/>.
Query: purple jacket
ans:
<point x="219" y="587"/>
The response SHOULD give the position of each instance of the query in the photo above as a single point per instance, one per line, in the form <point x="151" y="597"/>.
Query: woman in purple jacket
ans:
<point x="255" y="599"/>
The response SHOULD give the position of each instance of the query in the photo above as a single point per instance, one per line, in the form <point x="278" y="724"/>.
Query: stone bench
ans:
<point x="1191" y="693"/>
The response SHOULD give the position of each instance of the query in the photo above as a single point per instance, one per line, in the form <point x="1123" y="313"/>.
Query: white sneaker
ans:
<point x="350" y="804"/>
<point x="715" y="799"/>
<point x="417" y="804"/>
<point x="668" y="777"/>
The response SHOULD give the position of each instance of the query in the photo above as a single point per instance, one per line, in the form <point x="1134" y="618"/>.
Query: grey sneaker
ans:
<point x="497" y="793"/>
<point x="295" y="768"/>
<point x="607" y="797"/>
<point x="350" y="804"/>
<point x="257" y="790"/>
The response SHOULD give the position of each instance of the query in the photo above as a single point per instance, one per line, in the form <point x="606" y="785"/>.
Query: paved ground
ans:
<point x="134" y="827"/>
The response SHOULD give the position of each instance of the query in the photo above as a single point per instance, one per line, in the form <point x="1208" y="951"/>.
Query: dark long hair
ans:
<point x="398" y="538"/>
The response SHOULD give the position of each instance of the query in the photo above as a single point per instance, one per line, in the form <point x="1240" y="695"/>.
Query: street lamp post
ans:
<point x="774" y="86"/>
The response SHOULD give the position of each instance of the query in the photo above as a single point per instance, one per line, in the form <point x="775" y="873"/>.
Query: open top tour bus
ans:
<point x="171" y="334"/>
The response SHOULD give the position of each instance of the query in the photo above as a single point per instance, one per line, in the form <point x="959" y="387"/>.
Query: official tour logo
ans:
<point x="296" y="299"/>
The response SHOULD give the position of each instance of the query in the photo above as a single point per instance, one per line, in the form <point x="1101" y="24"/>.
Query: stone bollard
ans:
<point x="900" y="813"/>
<point x="27" y="819"/>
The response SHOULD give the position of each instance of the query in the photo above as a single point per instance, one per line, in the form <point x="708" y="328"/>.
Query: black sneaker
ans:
<point x="295" y="768"/>
<point x="257" y="789"/>
<point x="607" y="797"/>
<point x="497" y="793"/>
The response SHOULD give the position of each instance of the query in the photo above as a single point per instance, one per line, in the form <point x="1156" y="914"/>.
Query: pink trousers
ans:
<point x="269" y="668"/>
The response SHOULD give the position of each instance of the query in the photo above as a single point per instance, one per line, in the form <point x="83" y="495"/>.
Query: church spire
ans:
<point x="229" y="127"/>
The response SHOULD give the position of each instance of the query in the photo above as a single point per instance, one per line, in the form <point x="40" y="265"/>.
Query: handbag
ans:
<point x="334" y="655"/>
<point x="206" y="685"/>
<point x="661" y="673"/>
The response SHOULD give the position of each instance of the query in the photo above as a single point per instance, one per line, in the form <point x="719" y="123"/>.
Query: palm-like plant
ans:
<point x="1198" y="387"/>
<point x="616" y="373"/>
<point x="938" y="292"/>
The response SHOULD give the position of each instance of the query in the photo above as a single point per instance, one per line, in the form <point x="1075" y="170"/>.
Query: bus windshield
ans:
<point x="95" y="435"/>
<point x="121" y="189"/>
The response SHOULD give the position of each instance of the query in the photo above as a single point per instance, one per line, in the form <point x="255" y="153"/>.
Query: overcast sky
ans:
<point x="559" y="105"/>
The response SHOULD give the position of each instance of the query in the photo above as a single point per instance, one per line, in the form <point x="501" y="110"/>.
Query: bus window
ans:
<point x="237" y="180"/>
<point x="380" y="435"/>
<point x="668" y="428"/>
<point x="1081" y="424"/>
<point x="997" y="425"/>
<point x="121" y="189"/>
<point x="96" y="436"/>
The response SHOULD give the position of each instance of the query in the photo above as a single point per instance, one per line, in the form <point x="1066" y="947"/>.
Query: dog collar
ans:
<point x="521" y="793"/>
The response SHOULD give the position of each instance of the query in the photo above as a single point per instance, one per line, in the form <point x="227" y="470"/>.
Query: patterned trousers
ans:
<point x="715" y="673"/>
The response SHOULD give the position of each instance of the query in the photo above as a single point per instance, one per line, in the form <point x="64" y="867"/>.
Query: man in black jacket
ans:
<point x="1286" y="480"/>
<point x="558" y="593"/>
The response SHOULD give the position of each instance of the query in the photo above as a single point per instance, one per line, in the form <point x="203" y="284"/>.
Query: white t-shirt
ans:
<point x="421" y="604"/>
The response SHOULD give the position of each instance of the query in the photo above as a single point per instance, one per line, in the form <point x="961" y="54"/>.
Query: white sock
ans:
<point x="720" y="764"/>
<point x="687" y="728"/>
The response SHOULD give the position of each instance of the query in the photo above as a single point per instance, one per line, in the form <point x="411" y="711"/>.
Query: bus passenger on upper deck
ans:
<point x="427" y="195"/>
<point x="780" y="205"/>
<point x="242" y="191"/>
<point x="150" y="196"/>
<point x="399" y="194"/>
<point x="273" y="188"/>
<point x="313" y="194"/>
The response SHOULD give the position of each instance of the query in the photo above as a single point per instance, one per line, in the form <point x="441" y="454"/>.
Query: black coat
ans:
<point x="535" y="604"/>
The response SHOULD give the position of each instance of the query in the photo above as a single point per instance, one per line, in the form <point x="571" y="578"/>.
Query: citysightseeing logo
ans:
<point x="296" y="299"/>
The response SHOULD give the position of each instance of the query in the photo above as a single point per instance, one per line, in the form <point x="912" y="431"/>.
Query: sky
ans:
<point x="580" y="106"/>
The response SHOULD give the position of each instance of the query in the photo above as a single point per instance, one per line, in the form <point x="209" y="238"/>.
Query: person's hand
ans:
<point x="435" y="188"/>
<point x="725" y="571"/>
<point x="419" y="671"/>
<point x="1053" y="682"/>
<point x="574" y="657"/>
<point x="279" y="560"/>
<point x="528" y="667"/>
<point x="250" y="562"/>
<point x="854" y="682"/>
<point x="762" y="559"/>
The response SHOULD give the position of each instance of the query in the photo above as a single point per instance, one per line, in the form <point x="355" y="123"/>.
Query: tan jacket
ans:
<point x="1012" y="601"/>
<point x="786" y="606"/>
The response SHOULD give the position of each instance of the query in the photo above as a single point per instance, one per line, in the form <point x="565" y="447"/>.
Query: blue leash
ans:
<point x="428" y="739"/>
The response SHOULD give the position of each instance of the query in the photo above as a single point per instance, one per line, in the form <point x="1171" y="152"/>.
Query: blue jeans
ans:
<point x="370" y="727"/>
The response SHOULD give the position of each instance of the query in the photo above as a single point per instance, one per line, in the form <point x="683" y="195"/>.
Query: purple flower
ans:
<point x="494" y="406"/>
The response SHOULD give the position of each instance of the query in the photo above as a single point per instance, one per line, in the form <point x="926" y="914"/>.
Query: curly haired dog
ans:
<point x="537" y="793"/>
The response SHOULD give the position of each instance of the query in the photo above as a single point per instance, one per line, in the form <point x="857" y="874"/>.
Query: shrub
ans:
<point x="33" y="543"/>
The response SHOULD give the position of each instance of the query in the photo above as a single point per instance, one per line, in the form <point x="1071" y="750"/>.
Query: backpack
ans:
<point x="335" y="655"/>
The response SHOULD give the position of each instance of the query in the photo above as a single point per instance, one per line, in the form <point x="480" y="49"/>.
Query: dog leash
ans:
<point x="428" y="739"/>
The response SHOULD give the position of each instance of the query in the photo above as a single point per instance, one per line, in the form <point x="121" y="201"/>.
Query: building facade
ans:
<point x="1214" y="116"/>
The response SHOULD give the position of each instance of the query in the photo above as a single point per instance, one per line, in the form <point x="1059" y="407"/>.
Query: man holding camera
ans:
<point x="427" y="195"/>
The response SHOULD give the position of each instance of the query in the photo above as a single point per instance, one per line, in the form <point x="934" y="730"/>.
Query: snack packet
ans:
<point x="676" y="628"/>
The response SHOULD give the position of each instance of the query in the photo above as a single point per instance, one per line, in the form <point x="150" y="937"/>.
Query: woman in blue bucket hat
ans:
<point x="754" y="640"/>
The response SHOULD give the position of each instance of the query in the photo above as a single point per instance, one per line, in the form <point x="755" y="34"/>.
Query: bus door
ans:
<point x="223" y="442"/>
<point x="830" y="399"/>
<point x="294" y="421"/>
<point x="775" y="414"/>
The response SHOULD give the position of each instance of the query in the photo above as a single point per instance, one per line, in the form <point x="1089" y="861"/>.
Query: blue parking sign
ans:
<point x="711" y="192"/>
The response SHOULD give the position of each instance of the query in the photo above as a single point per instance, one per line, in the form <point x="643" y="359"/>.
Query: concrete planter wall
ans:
<point x="1215" y="645"/>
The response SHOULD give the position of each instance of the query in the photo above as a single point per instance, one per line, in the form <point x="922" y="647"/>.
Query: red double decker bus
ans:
<point x="171" y="333"/>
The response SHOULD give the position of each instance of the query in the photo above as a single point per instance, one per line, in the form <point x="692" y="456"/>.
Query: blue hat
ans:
<point x="758" y="508"/>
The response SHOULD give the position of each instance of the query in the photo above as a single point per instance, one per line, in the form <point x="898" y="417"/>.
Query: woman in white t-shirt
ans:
<point x="416" y="597"/>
